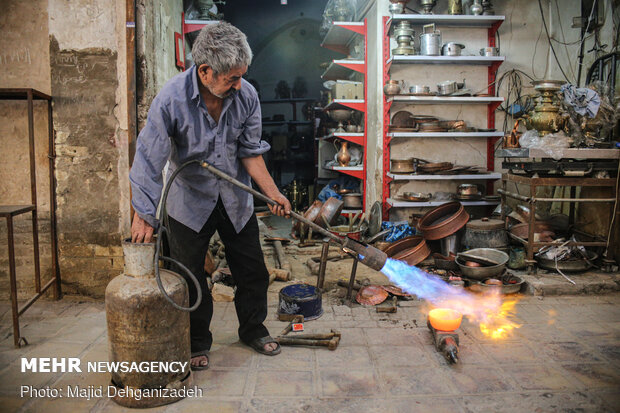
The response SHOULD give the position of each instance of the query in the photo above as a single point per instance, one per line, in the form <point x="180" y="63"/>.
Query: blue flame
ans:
<point x="429" y="287"/>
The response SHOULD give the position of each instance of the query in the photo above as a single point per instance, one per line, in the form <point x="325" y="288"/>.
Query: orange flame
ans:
<point x="488" y="310"/>
<point x="498" y="325"/>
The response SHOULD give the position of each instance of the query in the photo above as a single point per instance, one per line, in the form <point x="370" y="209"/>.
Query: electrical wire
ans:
<point x="542" y="14"/>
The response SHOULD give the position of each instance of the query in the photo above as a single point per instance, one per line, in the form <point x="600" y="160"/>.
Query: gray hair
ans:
<point x="222" y="47"/>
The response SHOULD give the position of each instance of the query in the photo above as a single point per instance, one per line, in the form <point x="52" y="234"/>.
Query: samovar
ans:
<point x="546" y="117"/>
<point x="297" y="194"/>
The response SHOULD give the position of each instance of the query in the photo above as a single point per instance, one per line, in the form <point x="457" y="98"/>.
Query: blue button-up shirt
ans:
<point x="179" y="128"/>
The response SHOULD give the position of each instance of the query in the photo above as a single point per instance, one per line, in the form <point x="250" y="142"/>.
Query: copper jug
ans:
<point x="343" y="157"/>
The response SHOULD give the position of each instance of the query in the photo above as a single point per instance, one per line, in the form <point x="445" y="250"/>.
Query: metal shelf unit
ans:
<point x="338" y="38"/>
<point x="491" y="23"/>
<point x="10" y="211"/>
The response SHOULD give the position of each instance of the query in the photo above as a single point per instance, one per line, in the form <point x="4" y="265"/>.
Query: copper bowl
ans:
<point x="443" y="221"/>
<point x="412" y="250"/>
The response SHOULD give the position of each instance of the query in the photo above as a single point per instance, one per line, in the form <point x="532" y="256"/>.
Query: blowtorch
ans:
<point x="366" y="254"/>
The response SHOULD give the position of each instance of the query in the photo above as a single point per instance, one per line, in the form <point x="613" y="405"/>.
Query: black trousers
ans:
<point x="245" y="260"/>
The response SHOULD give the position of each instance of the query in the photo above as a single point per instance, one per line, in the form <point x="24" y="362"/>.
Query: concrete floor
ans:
<point x="565" y="357"/>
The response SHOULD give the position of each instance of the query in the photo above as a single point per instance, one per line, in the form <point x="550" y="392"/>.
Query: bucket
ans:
<point x="301" y="299"/>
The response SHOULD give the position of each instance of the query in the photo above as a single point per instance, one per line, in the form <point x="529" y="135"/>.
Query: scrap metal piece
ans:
<point x="371" y="295"/>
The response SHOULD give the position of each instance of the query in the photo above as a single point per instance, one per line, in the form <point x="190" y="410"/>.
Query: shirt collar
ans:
<point x="195" y="91"/>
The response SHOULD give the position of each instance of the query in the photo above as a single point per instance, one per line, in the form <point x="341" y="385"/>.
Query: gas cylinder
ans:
<point x="143" y="328"/>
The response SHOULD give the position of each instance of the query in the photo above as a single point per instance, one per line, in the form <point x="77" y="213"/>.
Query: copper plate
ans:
<point x="394" y="290"/>
<point x="412" y="250"/>
<point x="371" y="295"/>
<point x="443" y="221"/>
<point x="399" y="129"/>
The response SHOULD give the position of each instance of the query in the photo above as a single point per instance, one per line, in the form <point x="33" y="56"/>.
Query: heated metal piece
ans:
<point x="446" y="342"/>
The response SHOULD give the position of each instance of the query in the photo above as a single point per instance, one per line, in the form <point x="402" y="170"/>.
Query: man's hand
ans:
<point x="283" y="208"/>
<point x="141" y="231"/>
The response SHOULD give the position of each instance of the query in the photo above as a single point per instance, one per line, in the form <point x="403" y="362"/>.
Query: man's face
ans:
<point x="223" y="84"/>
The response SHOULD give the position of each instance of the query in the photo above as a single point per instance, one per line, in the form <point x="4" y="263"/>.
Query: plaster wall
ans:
<point x="24" y="63"/>
<point x="91" y="141"/>
<point x="157" y="21"/>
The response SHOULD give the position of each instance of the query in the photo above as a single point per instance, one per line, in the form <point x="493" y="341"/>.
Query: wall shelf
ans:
<point x="342" y="69"/>
<point x="356" y="138"/>
<point x="445" y="100"/>
<point x="465" y="177"/>
<point x="407" y="204"/>
<point x="445" y="134"/>
<point x="340" y="34"/>
<point x="448" y="20"/>
<point x="455" y="60"/>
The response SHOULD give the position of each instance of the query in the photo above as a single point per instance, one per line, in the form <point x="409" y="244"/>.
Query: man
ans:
<point x="210" y="112"/>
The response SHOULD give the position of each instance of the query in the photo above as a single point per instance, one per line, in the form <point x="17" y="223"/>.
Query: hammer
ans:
<point x="331" y="344"/>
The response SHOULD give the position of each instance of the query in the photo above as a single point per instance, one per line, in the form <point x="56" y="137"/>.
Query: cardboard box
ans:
<point x="347" y="89"/>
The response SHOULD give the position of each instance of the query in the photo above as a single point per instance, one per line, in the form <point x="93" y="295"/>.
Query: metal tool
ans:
<point x="366" y="254"/>
<point x="330" y="340"/>
<point x="446" y="342"/>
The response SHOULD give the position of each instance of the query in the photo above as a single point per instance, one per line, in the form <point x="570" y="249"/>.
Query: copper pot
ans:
<point x="443" y="220"/>
<point x="412" y="250"/>
<point x="330" y="210"/>
<point x="352" y="201"/>
<point x="467" y="189"/>
<point x="402" y="166"/>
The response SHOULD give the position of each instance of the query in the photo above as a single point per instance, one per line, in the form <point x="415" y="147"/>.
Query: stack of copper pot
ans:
<point x="321" y="213"/>
<point x="443" y="223"/>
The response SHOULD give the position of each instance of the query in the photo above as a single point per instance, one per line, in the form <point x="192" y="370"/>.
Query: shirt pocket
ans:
<point x="233" y="134"/>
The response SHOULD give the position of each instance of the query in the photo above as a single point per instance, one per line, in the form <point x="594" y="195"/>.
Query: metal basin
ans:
<point x="568" y="265"/>
<point x="412" y="250"/>
<point x="443" y="220"/>
<point x="482" y="273"/>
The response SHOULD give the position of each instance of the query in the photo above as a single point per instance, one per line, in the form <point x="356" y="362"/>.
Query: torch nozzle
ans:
<point x="366" y="254"/>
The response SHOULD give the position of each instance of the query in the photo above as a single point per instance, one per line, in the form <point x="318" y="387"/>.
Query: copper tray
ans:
<point x="403" y="119"/>
<point x="416" y="197"/>
<point x="394" y="290"/>
<point x="371" y="295"/>
<point x="412" y="250"/>
<point x="400" y="129"/>
<point x="443" y="221"/>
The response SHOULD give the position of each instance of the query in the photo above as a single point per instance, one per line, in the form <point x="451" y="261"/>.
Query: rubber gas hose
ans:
<point x="160" y="231"/>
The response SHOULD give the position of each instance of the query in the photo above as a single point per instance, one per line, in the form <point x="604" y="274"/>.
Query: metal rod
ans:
<point x="352" y="279"/>
<point x="513" y="195"/>
<point x="268" y="200"/>
<point x="52" y="179"/>
<point x="13" y="281"/>
<point x="36" y="296"/>
<point x="323" y="264"/>
<point x="575" y="200"/>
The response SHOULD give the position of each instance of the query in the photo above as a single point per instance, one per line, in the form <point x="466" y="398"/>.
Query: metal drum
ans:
<point x="144" y="327"/>
<point x="301" y="299"/>
<point x="486" y="233"/>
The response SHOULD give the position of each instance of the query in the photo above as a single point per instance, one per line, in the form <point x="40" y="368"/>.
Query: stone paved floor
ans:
<point x="565" y="357"/>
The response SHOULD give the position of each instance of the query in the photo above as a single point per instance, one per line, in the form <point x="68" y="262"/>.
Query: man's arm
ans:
<point x="255" y="166"/>
<point x="152" y="152"/>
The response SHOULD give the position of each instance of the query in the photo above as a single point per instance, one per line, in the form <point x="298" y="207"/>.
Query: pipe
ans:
<point x="366" y="254"/>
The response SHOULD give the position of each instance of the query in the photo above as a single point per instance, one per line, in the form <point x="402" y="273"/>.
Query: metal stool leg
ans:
<point x="323" y="264"/>
<point x="17" y="339"/>
<point x="352" y="279"/>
